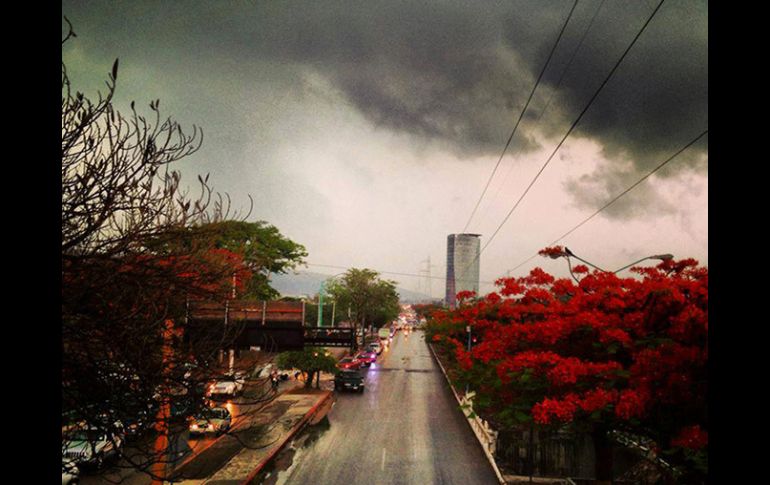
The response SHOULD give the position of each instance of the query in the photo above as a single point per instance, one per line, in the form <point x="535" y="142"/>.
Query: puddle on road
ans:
<point x="277" y="471"/>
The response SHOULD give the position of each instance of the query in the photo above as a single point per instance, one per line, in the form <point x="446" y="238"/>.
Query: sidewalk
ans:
<point x="283" y="418"/>
<point x="268" y="430"/>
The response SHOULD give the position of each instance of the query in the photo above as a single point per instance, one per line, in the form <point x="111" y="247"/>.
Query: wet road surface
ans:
<point x="406" y="428"/>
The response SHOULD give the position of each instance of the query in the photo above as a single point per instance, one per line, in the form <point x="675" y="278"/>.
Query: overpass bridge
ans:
<point x="271" y="325"/>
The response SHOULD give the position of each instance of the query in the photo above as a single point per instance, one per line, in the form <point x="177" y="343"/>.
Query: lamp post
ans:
<point x="662" y="257"/>
<point x="566" y="253"/>
<point x="321" y="292"/>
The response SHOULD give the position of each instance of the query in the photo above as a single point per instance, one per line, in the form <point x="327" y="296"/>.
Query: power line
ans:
<point x="574" y="124"/>
<point x="389" y="272"/>
<point x="521" y="115"/>
<point x="553" y="94"/>
<point x="569" y="63"/>
<point x="616" y="197"/>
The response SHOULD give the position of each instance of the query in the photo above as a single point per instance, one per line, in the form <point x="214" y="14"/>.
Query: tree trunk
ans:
<point x="318" y="380"/>
<point x="309" y="380"/>
<point x="363" y="331"/>
<point x="603" y="454"/>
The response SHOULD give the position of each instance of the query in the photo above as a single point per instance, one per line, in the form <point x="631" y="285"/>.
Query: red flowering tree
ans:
<point x="601" y="354"/>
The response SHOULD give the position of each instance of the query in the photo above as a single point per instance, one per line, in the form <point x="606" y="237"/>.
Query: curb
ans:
<point x="489" y="456"/>
<point x="196" y="453"/>
<point x="297" y="427"/>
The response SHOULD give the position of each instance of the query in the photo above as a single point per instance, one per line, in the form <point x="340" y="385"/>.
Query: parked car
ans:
<point x="228" y="386"/>
<point x="349" y="380"/>
<point x="366" y="357"/>
<point x="89" y="445"/>
<point x="70" y="473"/>
<point x="349" y="363"/>
<point x="213" y="420"/>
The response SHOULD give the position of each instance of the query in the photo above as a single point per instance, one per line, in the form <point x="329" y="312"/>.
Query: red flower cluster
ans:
<point x="465" y="295"/>
<point x="548" y="410"/>
<point x="632" y="403"/>
<point x="632" y="349"/>
<point x="552" y="252"/>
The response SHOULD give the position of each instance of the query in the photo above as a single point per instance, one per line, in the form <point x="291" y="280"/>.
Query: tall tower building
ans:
<point x="462" y="265"/>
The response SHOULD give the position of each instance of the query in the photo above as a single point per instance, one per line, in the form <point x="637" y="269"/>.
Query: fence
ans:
<point x="566" y="453"/>
<point x="545" y="453"/>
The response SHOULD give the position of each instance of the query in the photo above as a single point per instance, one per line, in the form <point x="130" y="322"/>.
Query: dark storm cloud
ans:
<point x="458" y="73"/>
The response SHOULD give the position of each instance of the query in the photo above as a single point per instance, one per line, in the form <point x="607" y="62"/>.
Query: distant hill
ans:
<point x="308" y="283"/>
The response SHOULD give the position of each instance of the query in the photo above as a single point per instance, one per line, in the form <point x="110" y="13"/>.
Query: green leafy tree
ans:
<point x="372" y="301"/>
<point x="311" y="362"/>
<point x="263" y="248"/>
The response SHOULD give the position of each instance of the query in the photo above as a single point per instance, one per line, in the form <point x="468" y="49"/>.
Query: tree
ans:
<point x="425" y="310"/>
<point x="371" y="300"/>
<point x="311" y="362"/>
<point x="263" y="248"/>
<point x="125" y="280"/>
<point x="332" y="312"/>
<point x="605" y="355"/>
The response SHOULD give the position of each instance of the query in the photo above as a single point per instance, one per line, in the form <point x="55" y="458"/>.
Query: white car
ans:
<point x="227" y="386"/>
<point x="89" y="445"/>
<point x="215" y="420"/>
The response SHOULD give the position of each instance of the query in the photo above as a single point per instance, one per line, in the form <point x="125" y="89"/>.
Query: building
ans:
<point x="462" y="265"/>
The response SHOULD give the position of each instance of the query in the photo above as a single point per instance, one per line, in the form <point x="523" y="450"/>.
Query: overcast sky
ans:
<point x="367" y="130"/>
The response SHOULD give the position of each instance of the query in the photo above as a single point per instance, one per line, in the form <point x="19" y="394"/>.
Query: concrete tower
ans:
<point x="462" y="265"/>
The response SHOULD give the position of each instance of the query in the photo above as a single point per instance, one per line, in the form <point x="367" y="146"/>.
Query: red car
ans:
<point x="349" y="363"/>
<point x="367" y="358"/>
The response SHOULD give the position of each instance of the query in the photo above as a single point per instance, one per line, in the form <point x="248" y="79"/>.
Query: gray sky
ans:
<point x="367" y="130"/>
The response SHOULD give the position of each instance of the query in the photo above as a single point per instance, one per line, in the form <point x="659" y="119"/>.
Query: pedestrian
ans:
<point x="274" y="379"/>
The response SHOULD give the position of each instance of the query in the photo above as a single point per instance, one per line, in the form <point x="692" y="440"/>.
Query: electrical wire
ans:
<point x="521" y="115"/>
<point x="629" y="189"/>
<point x="389" y="272"/>
<point x="574" y="124"/>
<point x="551" y="98"/>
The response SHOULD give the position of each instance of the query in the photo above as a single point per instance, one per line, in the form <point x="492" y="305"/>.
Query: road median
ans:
<point x="283" y="419"/>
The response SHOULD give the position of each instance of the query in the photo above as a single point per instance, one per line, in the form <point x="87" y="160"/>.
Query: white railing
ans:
<point x="486" y="435"/>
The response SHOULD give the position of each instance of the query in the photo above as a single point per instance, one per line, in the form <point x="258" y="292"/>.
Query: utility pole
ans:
<point x="160" y="447"/>
<point x="427" y="273"/>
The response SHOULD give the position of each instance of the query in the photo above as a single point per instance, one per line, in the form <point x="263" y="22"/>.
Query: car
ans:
<point x="213" y="420"/>
<point x="84" y="444"/>
<point x="349" y="363"/>
<point x="367" y="358"/>
<point x="70" y="473"/>
<point x="376" y="347"/>
<point x="349" y="380"/>
<point x="228" y="386"/>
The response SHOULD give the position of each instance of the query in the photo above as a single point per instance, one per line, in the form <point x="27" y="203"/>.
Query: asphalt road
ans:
<point x="406" y="428"/>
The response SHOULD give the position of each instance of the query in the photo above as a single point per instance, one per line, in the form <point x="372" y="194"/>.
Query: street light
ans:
<point x="566" y="253"/>
<point x="662" y="257"/>
<point x="321" y="300"/>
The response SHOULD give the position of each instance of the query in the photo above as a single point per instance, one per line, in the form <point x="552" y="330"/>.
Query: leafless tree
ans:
<point x="128" y="270"/>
